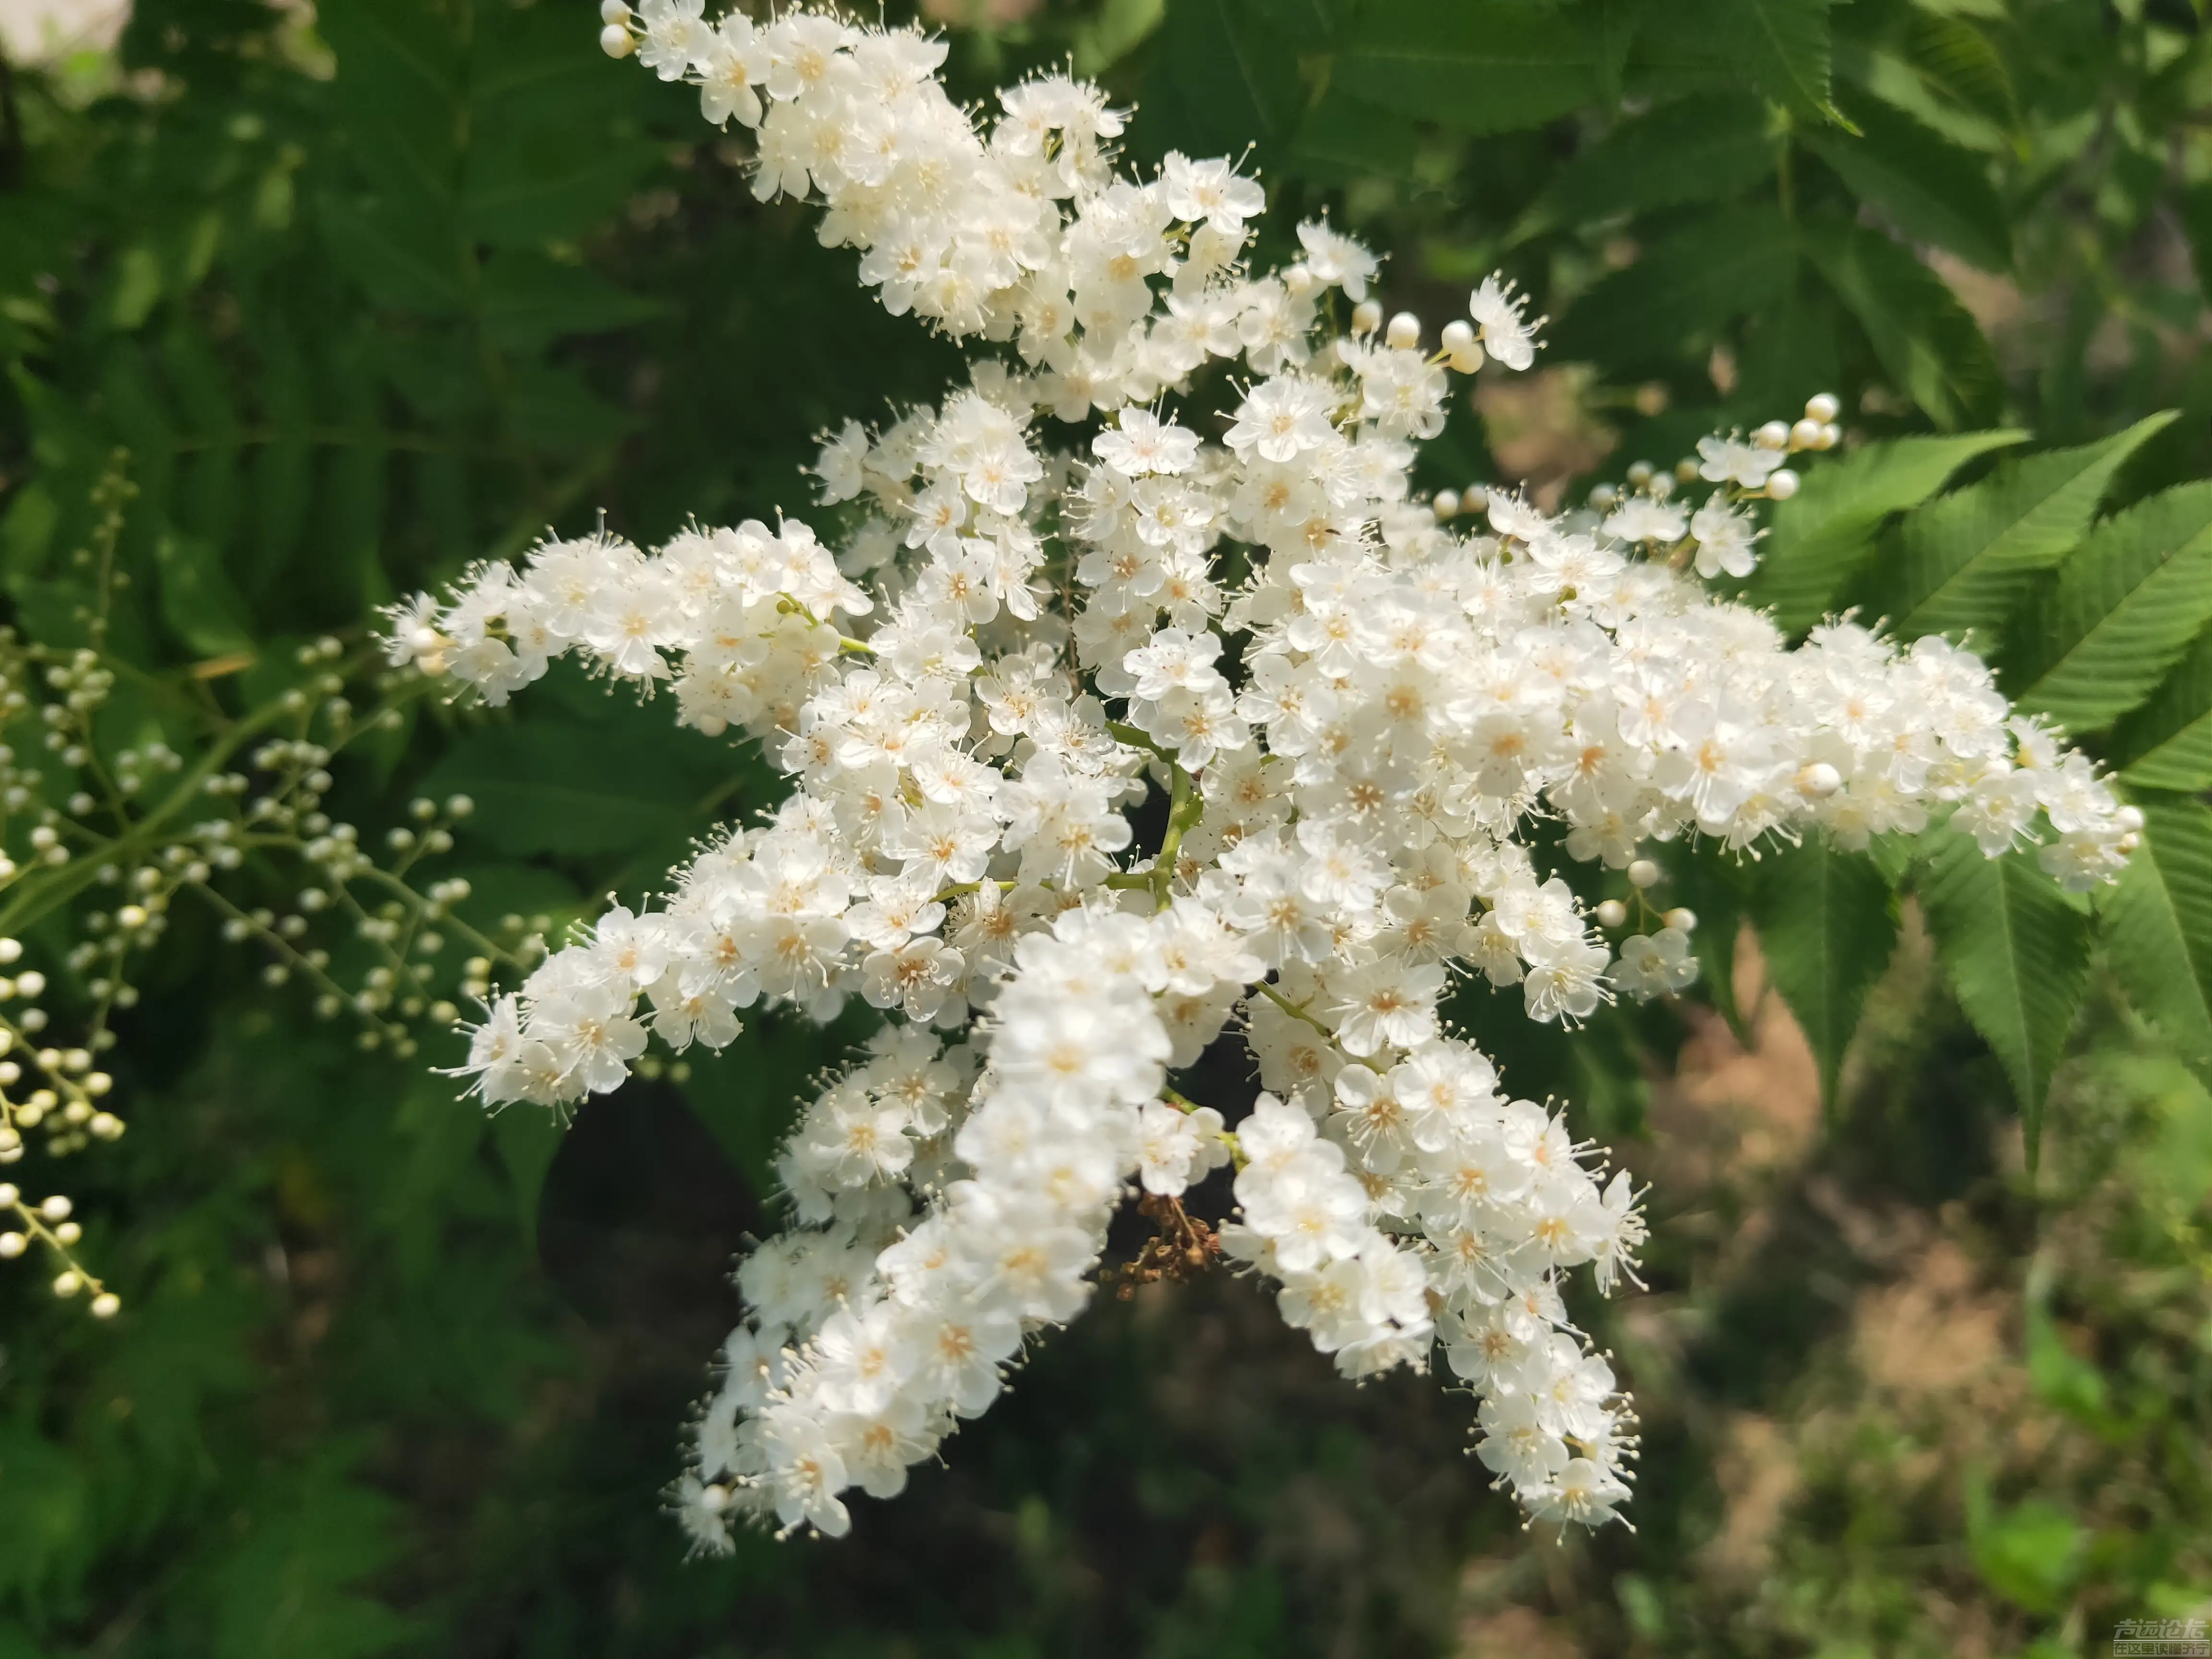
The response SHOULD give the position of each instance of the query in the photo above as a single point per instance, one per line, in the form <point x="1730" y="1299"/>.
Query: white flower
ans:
<point x="1123" y="754"/>
<point x="1500" y="317"/>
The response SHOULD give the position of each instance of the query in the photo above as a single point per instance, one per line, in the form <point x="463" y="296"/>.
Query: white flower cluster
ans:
<point x="1341" y="706"/>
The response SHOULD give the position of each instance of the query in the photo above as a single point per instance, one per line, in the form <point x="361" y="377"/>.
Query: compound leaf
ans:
<point x="2125" y="605"/>
<point x="2166" y="743"/>
<point x="2158" y="926"/>
<point x="1818" y="540"/>
<point x="1827" y="923"/>
<point x="1926" y="341"/>
<point x="2017" y="952"/>
<point x="1963" y="561"/>
<point x="1720" y="267"/>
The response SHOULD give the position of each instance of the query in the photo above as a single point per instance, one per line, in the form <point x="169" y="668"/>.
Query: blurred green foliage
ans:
<point x="369" y="292"/>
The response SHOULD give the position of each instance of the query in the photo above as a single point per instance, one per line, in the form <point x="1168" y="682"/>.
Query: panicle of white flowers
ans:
<point x="1352" y="700"/>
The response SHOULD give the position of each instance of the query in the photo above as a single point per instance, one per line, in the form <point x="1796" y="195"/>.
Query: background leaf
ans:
<point x="2157" y="923"/>
<point x="2017" y="953"/>
<point x="1965" y="561"/>
<point x="1930" y="346"/>
<point x="1826" y="923"/>
<point x="2124" y="605"/>
<point x="2166" y="743"/>
<point x="1818" y="540"/>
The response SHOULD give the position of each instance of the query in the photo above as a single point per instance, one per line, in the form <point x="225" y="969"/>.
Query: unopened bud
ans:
<point x="1682" y="920"/>
<point x="1404" y="332"/>
<point x="1818" y="780"/>
<point x="1366" y="318"/>
<point x="1644" y="873"/>
<point x="1823" y="408"/>
<point x="1612" y="914"/>
<point x="1781" y="484"/>
<point x="615" y="41"/>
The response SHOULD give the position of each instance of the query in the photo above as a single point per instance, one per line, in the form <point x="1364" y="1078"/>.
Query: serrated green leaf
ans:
<point x="1904" y="86"/>
<point x="1343" y="138"/>
<point x="2125" y="606"/>
<point x="398" y="83"/>
<point x="1964" y="561"/>
<point x="1827" y="924"/>
<point x="1818" y="540"/>
<point x="2017" y="950"/>
<point x="406" y="259"/>
<point x="2166" y="743"/>
<point x="1224" y="78"/>
<point x="1697" y="149"/>
<point x="539" y="785"/>
<point x="1696" y="281"/>
<point x="547" y="156"/>
<point x="1933" y="191"/>
<point x="1474" y="65"/>
<point x="2157" y="926"/>
<point x="1926" y="341"/>
<point x="528" y="301"/>
<point x="1959" y="60"/>
<point x="200" y="602"/>
<point x="527" y="1141"/>
<point x="1784" y="45"/>
<point x="1780" y="46"/>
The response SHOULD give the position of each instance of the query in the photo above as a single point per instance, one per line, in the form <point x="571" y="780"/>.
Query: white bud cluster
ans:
<point x="1349" y="708"/>
<point x="112" y="826"/>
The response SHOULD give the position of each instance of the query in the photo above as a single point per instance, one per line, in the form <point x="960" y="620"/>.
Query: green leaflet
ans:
<point x="2157" y="925"/>
<point x="2125" y="606"/>
<point x="1781" y="48"/>
<point x="1476" y="65"/>
<point x="1827" y="924"/>
<point x="1694" y="282"/>
<point x="1226" y="76"/>
<point x="2166" y="743"/>
<point x="540" y="784"/>
<point x="1818" y="540"/>
<point x="1699" y="150"/>
<point x="1924" y="338"/>
<point x="1933" y="190"/>
<point x="1784" y="45"/>
<point x="1964" y="562"/>
<point x="2017" y="952"/>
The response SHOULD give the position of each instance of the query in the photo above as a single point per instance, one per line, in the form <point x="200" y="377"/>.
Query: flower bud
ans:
<point x="1446" y="504"/>
<point x="1366" y="318"/>
<point x="1818" y="780"/>
<point x="106" y="1305"/>
<point x="1404" y="332"/>
<point x="1806" y="435"/>
<point x="1823" y="408"/>
<point x="1682" y="920"/>
<point x="1781" y="485"/>
<point x="615" y="41"/>
<point x="1612" y="913"/>
<point x="1775" y="434"/>
<point x="1644" y="873"/>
